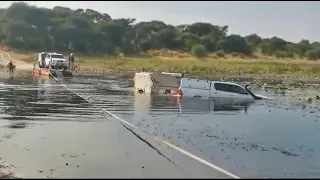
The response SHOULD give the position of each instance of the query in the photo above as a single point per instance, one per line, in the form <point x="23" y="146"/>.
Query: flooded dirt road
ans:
<point x="47" y="131"/>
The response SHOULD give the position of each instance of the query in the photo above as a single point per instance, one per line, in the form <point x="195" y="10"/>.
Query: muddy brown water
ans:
<point x="262" y="139"/>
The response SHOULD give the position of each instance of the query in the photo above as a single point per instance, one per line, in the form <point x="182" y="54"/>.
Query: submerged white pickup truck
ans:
<point x="215" y="89"/>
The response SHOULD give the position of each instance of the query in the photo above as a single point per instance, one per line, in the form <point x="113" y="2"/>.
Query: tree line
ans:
<point x="90" y="32"/>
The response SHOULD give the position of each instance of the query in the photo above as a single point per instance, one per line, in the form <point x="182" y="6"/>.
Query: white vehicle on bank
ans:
<point x="56" y="61"/>
<point x="215" y="89"/>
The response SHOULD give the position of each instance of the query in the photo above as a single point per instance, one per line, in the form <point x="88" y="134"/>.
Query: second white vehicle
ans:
<point x="56" y="61"/>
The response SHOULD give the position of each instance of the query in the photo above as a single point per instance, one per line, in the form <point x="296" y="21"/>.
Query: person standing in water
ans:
<point x="71" y="61"/>
<point x="11" y="67"/>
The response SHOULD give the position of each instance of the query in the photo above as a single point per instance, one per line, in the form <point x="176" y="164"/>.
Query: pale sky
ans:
<point x="291" y="21"/>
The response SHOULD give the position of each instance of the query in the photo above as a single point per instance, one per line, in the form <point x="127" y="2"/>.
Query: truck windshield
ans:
<point x="57" y="56"/>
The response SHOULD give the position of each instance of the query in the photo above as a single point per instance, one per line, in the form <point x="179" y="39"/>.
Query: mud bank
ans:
<point x="307" y="99"/>
<point x="5" y="172"/>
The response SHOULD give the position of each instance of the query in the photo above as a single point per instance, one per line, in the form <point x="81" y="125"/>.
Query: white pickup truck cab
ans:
<point x="56" y="61"/>
<point x="215" y="89"/>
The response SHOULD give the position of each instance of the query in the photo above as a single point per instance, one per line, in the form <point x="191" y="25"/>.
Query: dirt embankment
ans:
<point x="5" y="173"/>
<point x="20" y="65"/>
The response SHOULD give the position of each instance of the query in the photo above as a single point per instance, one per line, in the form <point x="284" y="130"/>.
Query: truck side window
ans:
<point x="229" y="88"/>
<point x="239" y="90"/>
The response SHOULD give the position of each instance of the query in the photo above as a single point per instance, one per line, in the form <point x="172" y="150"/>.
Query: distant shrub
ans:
<point x="243" y="56"/>
<point x="289" y="54"/>
<point x="254" y="56"/>
<point x="313" y="54"/>
<point x="280" y="54"/>
<point x="198" y="51"/>
<point x="220" y="53"/>
<point x="235" y="54"/>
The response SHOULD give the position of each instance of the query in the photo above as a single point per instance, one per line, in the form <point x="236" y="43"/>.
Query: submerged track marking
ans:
<point x="156" y="138"/>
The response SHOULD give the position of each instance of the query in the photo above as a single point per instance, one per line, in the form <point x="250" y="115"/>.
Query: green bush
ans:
<point x="289" y="55"/>
<point x="220" y="53"/>
<point x="312" y="54"/>
<point x="198" y="51"/>
<point x="280" y="54"/>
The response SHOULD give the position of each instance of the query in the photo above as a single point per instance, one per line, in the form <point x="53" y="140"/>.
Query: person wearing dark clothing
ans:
<point x="71" y="61"/>
<point x="10" y="66"/>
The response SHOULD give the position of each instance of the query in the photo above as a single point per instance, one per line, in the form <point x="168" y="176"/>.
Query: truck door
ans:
<point x="230" y="90"/>
<point x="223" y="90"/>
<point x="213" y="92"/>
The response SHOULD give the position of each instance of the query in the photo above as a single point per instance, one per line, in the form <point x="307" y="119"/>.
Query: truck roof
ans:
<point x="50" y="53"/>
<point x="224" y="82"/>
<point x="55" y="53"/>
<point x="144" y="73"/>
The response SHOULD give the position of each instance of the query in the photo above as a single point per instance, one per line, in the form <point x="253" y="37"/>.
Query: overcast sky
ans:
<point x="291" y="21"/>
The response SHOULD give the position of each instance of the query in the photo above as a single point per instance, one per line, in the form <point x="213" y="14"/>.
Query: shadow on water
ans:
<point x="213" y="105"/>
<point x="17" y="125"/>
<point x="187" y="105"/>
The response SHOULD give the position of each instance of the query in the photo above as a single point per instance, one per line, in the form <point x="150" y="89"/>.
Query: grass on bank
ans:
<point x="232" y="66"/>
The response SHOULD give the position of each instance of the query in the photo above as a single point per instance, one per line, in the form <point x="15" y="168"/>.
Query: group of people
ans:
<point x="73" y="64"/>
